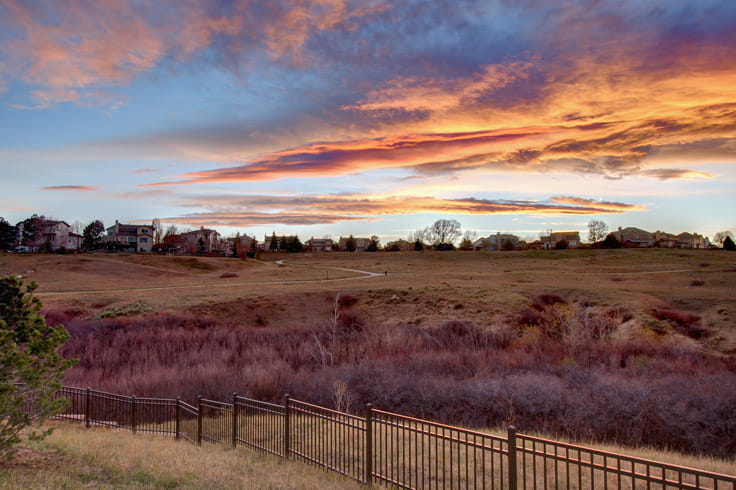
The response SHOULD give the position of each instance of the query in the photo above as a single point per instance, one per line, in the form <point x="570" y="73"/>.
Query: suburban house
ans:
<point x="320" y="244"/>
<point x="400" y="246"/>
<point x="692" y="240"/>
<point x="664" y="240"/>
<point x="634" y="238"/>
<point x="74" y="242"/>
<point x="49" y="235"/>
<point x="267" y="240"/>
<point x="361" y="244"/>
<point x="134" y="238"/>
<point x="572" y="238"/>
<point x="203" y="240"/>
<point x="243" y="246"/>
<point x="499" y="241"/>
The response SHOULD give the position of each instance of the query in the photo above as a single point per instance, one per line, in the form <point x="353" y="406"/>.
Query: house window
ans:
<point x="144" y="230"/>
<point x="144" y="240"/>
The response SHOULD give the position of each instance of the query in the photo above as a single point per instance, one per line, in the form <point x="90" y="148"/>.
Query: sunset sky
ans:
<point x="338" y="117"/>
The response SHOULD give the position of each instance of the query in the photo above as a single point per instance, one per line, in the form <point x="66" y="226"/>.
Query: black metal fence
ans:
<point x="385" y="448"/>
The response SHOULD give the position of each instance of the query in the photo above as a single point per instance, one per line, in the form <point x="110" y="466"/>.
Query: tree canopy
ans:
<point x="93" y="235"/>
<point x="443" y="233"/>
<point x="597" y="230"/>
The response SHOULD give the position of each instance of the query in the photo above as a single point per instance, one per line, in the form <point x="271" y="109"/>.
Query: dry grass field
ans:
<point x="635" y="347"/>
<point x="425" y="288"/>
<point x="73" y="458"/>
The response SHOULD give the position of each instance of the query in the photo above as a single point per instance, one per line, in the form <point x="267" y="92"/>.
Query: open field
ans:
<point x="636" y="347"/>
<point x="421" y="288"/>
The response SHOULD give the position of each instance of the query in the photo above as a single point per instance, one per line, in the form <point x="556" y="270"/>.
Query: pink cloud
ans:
<point x="78" y="188"/>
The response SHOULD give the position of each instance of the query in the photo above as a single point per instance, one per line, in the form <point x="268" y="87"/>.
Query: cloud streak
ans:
<point x="75" y="188"/>
<point x="258" y="210"/>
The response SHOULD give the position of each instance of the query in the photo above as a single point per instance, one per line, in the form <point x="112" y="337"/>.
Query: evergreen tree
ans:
<point x="350" y="244"/>
<point x="31" y="370"/>
<point x="31" y="230"/>
<point x="274" y="245"/>
<point x="294" y="245"/>
<point x="728" y="244"/>
<point x="93" y="235"/>
<point x="8" y="234"/>
<point x="373" y="245"/>
<point x="610" y="242"/>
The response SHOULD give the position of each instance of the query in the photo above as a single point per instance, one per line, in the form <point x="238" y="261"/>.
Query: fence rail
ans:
<point x="384" y="448"/>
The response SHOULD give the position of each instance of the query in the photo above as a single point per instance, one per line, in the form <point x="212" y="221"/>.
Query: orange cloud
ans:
<point x="308" y="210"/>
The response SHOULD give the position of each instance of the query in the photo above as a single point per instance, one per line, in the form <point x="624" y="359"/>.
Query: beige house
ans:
<point x="550" y="241"/>
<point x="320" y="244"/>
<point x="400" y="246"/>
<point x="204" y="238"/>
<point x="53" y="235"/>
<point x="692" y="240"/>
<point x="496" y="242"/>
<point x="74" y="242"/>
<point x="135" y="238"/>
<point x="243" y="246"/>
<point x="361" y="244"/>
<point x="664" y="240"/>
<point x="635" y="238"/>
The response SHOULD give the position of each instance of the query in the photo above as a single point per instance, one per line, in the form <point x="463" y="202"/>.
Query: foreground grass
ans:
<point x="73" y="457"/>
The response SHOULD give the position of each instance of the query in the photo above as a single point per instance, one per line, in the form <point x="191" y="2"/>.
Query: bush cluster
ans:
<point x="558" y="367"/>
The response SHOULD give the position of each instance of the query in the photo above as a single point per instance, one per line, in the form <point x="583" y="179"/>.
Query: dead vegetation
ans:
<point x="566" y="367"/>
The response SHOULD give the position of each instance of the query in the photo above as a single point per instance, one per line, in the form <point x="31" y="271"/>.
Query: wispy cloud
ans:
<point x="76" y="188"/>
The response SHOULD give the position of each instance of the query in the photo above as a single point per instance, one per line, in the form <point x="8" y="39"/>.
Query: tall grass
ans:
<point x="576" y="370"/>
<point x="73" y="457"/>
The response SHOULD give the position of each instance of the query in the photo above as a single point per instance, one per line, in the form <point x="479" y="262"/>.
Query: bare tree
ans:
<point x="597" y="230"/>
<point x="158" y="232"/>
<point x="443" y="232"/>
<point x="171" y="230"/>
<point x="77" y="227"/>
<point x="468" y="239"/>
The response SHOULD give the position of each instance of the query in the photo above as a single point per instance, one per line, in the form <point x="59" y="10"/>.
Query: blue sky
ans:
<point x="336" y="117"/>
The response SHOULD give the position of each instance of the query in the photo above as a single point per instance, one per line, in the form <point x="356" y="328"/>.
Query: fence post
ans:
<point x="199" y="420"/>
<point x="235" y="419"/>
<point x="287" y="426"/>
<point x="177" y="427"/>
<point x="513" y="480"/>
<point x="132" y="413"/>
<point x="368" y="443"/>
<point x="87" y="407"/>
